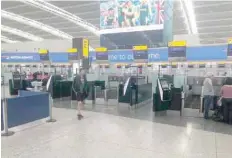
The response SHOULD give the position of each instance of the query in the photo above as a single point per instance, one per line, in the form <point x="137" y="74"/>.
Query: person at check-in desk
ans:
<point x="208" y="94"/>
<point x="226" y="97"/>
<point x="80" y="88"/>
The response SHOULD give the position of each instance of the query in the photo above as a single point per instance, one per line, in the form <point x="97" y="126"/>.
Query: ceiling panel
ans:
<point x="214" y="9"/>
<point x="51" y="19"/>
<point x="79" y="10"/>
<point x="63" y="24"/>
<point x="63" y="4"/>
<point x="80" y="33"/>
<point x="72" y="29"/>
<point x="89" y="14"/>
<point x="216" y="35"/>
<point x="213" y="41"/>
<point x="212" y="16"/>
<point x="94" y="21"/>
<point x="214" y="29"/>
<point x="204" y="4"/>
<point x="10" y="4"/>
<point x="13" y="37"/>
<point x="24" y="9"/>
<point x="36" y="16"/>
<point x="222" y="22"/>
<point x="214" y="19"/>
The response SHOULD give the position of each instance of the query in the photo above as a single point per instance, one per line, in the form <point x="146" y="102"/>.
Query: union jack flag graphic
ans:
<point x="160" y="11"/>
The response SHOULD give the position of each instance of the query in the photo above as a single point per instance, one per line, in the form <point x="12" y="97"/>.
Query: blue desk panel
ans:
<point x="206" y="53"/>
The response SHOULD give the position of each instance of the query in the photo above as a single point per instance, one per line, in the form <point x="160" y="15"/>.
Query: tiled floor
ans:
<point x="103" y="134"/>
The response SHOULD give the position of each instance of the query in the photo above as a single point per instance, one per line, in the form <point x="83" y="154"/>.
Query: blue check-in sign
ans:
<point x="20" y="57"/>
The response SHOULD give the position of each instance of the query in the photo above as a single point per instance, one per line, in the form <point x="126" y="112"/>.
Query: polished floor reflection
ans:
<point x="105" y="133"/>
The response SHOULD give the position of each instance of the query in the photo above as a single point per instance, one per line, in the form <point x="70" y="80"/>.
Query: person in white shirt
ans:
<point x="208" y="94"/>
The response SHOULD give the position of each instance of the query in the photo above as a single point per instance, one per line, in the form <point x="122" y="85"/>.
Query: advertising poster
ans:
<point x="131" y="15"/>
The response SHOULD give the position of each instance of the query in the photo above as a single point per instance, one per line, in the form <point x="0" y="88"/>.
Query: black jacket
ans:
<point x="77" y="82"/>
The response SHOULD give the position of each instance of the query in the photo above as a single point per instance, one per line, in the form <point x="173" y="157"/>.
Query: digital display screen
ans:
<point x="100" y="56"/>
<point x="229" y="53"/>
<point x="141" y="55"/>
<point x="44" y="57"/>
<point x="72" y="56"/>
<point x="177" y="51"/>
<point x="131" y="15"/>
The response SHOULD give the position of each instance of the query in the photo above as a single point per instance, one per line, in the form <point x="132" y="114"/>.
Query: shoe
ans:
<point x="79" y="116"/>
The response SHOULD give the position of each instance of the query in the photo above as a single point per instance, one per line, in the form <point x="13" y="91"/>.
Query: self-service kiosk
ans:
<point x="162" y="97"/>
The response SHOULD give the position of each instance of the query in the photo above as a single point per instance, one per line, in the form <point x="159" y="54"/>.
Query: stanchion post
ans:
<point x="182" y="103"/>
<point x="6" y="132"/>
<point x="50" y="110"/>
<point x="201" y="105"/>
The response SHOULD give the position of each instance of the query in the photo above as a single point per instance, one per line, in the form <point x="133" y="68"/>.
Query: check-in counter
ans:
<point x="62" y="88"/>
<point x="136" y="92"/>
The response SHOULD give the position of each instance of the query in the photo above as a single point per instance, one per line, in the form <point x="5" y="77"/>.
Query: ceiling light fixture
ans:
<point x="63" y="13"/>
<point x="7" y="40"/>
<point x="189" y="14"/>
<point x="20" y="33"/>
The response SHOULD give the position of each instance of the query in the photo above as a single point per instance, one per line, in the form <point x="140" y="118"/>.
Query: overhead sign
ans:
<point x="230" y="41"/>
<point x="140" y="56"/>
<point x="207" y="53"/>
<point x="101" y="49"/>
<point x="139" y="48"/>
<point x="72" y="54"/>
<point x="176" y="43"/>
<point x="85" y="48"/>
<point x="44" y="55"/>
<point x="20" y="57"/>
<point x="177" y="49"/>
<point x="72" y="50"/>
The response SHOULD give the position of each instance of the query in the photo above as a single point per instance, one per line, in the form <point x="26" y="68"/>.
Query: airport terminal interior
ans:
<point x="116" y="79"/>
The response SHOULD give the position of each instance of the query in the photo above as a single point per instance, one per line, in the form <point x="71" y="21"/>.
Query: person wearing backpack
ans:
<point x="80" y="88"/>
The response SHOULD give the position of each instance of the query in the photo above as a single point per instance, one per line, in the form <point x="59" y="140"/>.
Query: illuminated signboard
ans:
<point x="44" y="55"/>
<point x="101" y="54"/>
<point x="72" y="54"/>
<point x="140" y="53"/>
<point x="177" y="49"/>
<point x="131" y="15"/>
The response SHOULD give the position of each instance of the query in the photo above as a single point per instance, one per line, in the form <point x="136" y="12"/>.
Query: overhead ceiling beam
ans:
<point x="215" y="20"/>
<point x="189" y="14"/>
<point x="20" y="33"/>
<point x="7" y="40"/>
<point x="216" y="32"/>
<point x="62" y="13"/>
<point x="205" y="5"/>
<point x="224" y="12"/>
<point x="216" y="26"/>
<point x="35" y="24"/>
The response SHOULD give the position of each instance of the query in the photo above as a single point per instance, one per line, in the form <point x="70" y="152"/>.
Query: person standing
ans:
<point x="80" y="88"/>
<point x="208" y="94"/>
<point x="226" y="98"/>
